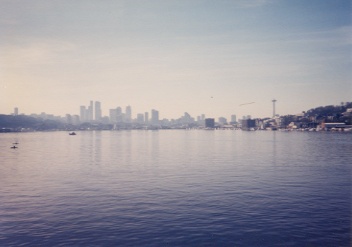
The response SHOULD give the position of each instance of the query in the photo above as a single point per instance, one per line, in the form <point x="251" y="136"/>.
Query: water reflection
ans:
<point x="180" y="188"/>
<point x="274" y="150"/>
<point x="90" y="147"/>
<point x="98" y="149"/>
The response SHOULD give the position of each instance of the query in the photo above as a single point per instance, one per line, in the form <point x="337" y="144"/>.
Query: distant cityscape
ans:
<point x="90" y="118"/>
<point x="120" y="118"/>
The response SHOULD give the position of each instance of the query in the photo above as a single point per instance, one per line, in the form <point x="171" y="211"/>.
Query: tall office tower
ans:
<point x="249" y="117"/>
<point x="83" y="113"/>
<point x="15" y="112"/>
<point x="146" y="117"/>
<point x="97" y="111"/>
<point x="119" y="117"/>
<point x="128" y="114"/>
<point x="113" y="115"/>
<point x="87" y="115"/>
<point x="203" y="116"/>
<point x="90" y="111"/>
<point x="155" y="117"/>
<point x="233" y="119"/>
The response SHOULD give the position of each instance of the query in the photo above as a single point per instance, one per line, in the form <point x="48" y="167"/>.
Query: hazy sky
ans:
<point x="199" y="56"/>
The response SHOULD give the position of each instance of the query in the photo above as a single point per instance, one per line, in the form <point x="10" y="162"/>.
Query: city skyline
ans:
<point x="203" y="57"/>
<point x="93" y="113"/>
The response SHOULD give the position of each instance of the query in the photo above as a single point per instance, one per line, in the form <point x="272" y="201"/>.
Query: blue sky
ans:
<point x="197" y="56"/>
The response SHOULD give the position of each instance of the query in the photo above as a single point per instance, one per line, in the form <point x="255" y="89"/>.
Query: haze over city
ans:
<point x="200" y="57"/>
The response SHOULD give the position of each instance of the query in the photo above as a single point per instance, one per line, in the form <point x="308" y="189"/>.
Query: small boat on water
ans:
<point x="72" y="133"/>
<point x="14" y="147"/>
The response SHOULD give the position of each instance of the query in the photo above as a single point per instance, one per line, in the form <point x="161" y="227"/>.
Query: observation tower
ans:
<point x="274" y="101"/>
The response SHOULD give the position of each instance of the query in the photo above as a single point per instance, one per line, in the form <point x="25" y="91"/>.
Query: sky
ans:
<point x="196" y="56"/>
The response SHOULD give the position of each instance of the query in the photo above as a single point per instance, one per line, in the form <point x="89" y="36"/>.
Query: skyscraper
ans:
<point x="119" y="117"/>
<point x="146" y="117"/>
<point x="155" y="117"/>
<point x="113" y="115"/>
<point x="90" y="111"/>
<point x="128" y="114"/>
<point x="83" y="113"/>
<point x="97" y="111"/>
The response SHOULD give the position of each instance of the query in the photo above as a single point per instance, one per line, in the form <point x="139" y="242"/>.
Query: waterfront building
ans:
<point x="209" y="123"/>
<point x="233" y="118"/>
<point x="248" y="124"/>
<point x="222" y="120"/>
<point x="15" y="112"/>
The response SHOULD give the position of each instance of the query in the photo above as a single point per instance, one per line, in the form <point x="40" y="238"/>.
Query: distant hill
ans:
<point x="22" y="121"/>
<point x="330" y="110"/>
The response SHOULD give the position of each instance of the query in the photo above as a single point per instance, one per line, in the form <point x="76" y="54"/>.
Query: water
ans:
<point x="176" y="188"/>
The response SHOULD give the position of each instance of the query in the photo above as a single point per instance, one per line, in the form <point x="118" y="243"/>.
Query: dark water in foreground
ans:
<point x="176" y="188"/>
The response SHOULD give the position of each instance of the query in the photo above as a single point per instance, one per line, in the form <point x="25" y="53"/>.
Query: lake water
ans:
<point x="176" y="188"/>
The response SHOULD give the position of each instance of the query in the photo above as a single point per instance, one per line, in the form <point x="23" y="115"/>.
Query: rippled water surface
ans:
<point x="175" y="188"/>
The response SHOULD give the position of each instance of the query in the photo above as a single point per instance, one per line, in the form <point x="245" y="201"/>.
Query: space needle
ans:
<point x="274" y="101"/>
